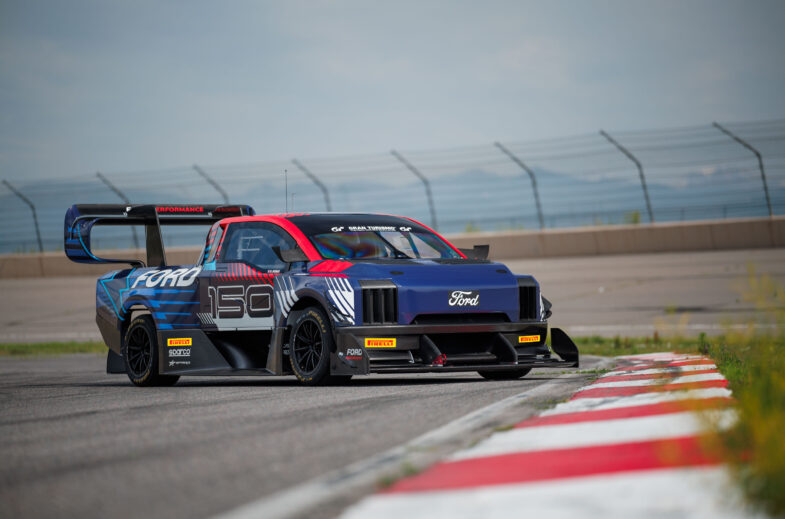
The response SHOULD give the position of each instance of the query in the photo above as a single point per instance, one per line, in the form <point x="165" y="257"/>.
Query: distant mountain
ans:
<point x="470" y="198"/>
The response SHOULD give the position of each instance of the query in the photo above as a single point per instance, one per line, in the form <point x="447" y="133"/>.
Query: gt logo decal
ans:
<point x="528" y="338"/>
<point x="380" y="343"/>
<point x="184" y="341"/>
<point x="231" y="302"/>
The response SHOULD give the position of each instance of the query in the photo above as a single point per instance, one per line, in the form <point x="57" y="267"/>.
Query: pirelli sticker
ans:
<point x="182" y="341"/>
<point x="380" y="343"/>
<point x="528" y="338"/>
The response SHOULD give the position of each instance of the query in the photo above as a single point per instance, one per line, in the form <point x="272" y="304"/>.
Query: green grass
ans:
<point x="611" y="347"/>
<point x="50" y="348"/>
<point x="754" y="364"/>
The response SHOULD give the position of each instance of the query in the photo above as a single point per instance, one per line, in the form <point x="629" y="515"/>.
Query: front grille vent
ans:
<point x="380" y="305"/>
<point x="528" y="301"/>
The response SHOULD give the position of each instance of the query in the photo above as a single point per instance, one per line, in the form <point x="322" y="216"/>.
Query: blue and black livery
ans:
<point x="321" y="296"/>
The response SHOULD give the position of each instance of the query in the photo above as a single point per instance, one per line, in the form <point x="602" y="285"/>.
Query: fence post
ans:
<point x="32" y="208"/>
<point x="524" y="167"/>
<point x="123" y="198"/>
<point x="424" y="181"/>
<point x="316" y="181"/>
<point x="757" y="154"/>
<point x="640" y="171"/>
<point x="212" y="182"/>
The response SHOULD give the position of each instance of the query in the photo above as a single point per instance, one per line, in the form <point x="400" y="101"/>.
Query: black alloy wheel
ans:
<point x="311" y="342"/>
<point x="307" y="347"/>
<point x="140" y="351"/>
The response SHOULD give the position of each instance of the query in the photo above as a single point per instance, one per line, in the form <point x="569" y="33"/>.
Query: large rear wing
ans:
<point x="81" y="218"/>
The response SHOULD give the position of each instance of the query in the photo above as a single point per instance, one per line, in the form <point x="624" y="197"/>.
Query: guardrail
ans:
<point x="677" y="174"/>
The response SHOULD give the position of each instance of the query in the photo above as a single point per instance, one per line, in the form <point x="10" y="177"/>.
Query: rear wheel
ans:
<point x="504" y="375"/>
<point x="310" y="346"/>
<point x="140" y="351"/>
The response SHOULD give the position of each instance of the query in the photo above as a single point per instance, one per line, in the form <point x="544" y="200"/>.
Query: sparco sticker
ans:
<point x="464" y="298"/>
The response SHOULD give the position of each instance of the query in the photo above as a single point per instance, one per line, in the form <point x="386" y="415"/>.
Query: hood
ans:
<point x="442" y="287"/>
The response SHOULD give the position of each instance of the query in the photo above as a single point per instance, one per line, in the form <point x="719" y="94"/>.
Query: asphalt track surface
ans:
<point x="79" y="443"/>
<point x="628" y="295"/>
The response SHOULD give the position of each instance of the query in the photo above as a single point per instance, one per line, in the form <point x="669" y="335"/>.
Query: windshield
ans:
<point x="381" y="244"/>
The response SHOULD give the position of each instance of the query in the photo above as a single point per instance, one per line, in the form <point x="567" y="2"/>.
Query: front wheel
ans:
<point x="504" y="375"/>
<point x="310" y="346"/>
<point x="140" y="351"/>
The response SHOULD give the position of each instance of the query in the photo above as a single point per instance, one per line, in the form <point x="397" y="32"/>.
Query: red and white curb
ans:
<point x="627" y="445"/>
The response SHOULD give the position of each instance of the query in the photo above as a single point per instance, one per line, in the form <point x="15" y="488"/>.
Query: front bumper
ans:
<point x="449" y="347"/>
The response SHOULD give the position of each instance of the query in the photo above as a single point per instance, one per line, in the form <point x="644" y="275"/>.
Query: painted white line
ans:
<point x="696" y="493"/>
<point x="688" y="379"/>
<point x="585" y="434"/>
<point x="297" y="500"/>
<point x="657" y="371"/>
<point x="591" y="404"/>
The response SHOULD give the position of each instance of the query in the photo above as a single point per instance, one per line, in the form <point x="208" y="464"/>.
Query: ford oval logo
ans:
<point x="464" y="298"/>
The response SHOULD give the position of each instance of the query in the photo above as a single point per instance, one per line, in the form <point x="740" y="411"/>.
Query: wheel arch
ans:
<point x="133" y="311"/>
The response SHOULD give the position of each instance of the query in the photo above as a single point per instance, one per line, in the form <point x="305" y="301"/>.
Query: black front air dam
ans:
<point x="351" y="356"/>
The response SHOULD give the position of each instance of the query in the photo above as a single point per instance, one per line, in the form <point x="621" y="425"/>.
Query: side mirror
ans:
<point x="479" y="252"/>
<point x="290" y="255"/>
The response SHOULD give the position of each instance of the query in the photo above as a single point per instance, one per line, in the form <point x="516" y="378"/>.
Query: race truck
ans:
<point x="322" y="297"/>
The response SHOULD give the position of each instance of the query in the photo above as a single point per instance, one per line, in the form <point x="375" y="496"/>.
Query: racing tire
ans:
<point x="310" y="346"/>
<point x="140" y="352"/>
<point x="504" y="375"/>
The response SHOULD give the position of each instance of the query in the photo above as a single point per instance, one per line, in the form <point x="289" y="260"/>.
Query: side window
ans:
<point x="252" y="243"/>
<point x="216" y="239"/>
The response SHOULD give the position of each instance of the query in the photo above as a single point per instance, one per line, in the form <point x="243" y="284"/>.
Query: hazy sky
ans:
<point x="118" y="86"/>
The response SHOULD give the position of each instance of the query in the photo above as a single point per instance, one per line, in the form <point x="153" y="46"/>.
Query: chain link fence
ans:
<point x="677" y="174"/>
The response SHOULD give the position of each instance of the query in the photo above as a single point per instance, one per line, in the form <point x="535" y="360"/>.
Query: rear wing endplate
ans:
<point x="81" y="218"/>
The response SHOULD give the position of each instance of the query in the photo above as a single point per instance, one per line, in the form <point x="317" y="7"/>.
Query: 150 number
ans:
<point x="232" y="302"/>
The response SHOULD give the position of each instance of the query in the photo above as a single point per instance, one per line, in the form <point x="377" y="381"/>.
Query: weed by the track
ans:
<point x="754" y="364"/>
<point x="406" y="470"/>
<point x="50" y="348"/>
<point x="752" y="358"/>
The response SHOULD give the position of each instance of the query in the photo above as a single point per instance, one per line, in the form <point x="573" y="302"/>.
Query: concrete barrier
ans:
<point x="746" y="233"/>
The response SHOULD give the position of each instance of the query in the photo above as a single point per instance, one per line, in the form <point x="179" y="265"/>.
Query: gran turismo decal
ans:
<point x="168" y="277"/>
<point x="380" y="343"/>
<point x="464" y="298"/>
<point x="528" y="338"/>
